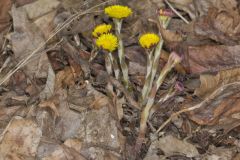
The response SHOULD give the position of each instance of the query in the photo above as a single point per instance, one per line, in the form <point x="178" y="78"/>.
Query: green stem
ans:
<point x="148" y="75"/>
<point x="108" y="63"/>
<point x="121" y="56"/>
<point x="115" y="66"/>
<point x="172" y="61"/>
<point x="157" y="54"/>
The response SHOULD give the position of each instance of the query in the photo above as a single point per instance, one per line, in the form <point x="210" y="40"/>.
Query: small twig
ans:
<point x="176" y="12"/>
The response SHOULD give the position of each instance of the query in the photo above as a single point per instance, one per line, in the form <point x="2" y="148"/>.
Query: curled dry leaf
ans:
<point x="20" y="3"/>
<point x="25" y="39"/>
<point x="48" y="90"/>
<point x="40" y="7"/>
<point x="171" y="36"/>
<point x="212" y="58"/>
<point x="51" y="103"/>
<point x="223" y="5"/>
<point x="64" y="152"/>
<point x="210" y="82"/>
<point x="45" y="23"/>
<point x="64" y="78"/>
<point x="221" y="26"/>
<point x="20" y="139"/>
<point x="6" y="113"/>
<point x="220" y="153"/>
<point x="5" y="6"/>
<point x="171" y="145"/>
<point x="224" y="102"/>
<point x="5" y="17"/>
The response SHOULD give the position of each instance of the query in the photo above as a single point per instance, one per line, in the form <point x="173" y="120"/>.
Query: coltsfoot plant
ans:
<point x="151" y="42"/>
<point x="118" y="13"/>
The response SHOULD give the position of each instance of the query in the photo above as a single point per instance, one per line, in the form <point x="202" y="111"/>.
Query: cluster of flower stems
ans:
<point x="152" y="82"/>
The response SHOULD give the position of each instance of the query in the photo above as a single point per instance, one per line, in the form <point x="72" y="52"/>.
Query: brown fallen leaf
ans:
<point x="39" y="8"/>
<point x="18" y="82"/>
<point x="64" y="78"/>
<point x="11" y="99"/>
<point x="74" y="143"/>
<point x="20" y="3"/>
<point x="170" y="36"/>
<point x="221" y="26"/>
<point x="25" y="39"/>
<point x="223" y="102"/>
<point x="202" y="6"/>
<point x="212" y="58"/>
<point x="220" y="153"/>
<point x="20" y="139"/>
<point x="99" y="102"/>
<point x="209" y="82"/>
<point x="45" y="23"/>
<point x="5" y="6"/>
<point x="6" y="113"/>
<point x="237" y="157"/>
<point x="171" y="145"/>
<point x="51" y="103"/>
<point x="64" y="153"/>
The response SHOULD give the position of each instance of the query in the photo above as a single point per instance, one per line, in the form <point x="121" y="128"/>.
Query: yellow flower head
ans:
<point x="148" y="40"/>
<point x="118" y="11"/>
<point x="107" y="41"/>
<point x="101" y="29"/>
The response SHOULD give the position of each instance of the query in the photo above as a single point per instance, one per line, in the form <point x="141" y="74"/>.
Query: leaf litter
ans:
<point x="56" y="103"/>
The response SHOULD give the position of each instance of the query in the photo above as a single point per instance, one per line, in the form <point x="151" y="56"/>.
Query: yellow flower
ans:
<point x="107" y="41"/>
<point x="101" y="29"/>
<point x="118" y="11"/>
<point x="148" y="40"/>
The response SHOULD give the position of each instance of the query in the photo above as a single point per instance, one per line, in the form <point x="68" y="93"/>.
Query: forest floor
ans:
<point x="58" y="101"/>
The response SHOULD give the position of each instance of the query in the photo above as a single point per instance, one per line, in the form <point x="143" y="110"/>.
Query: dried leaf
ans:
<point x="51" y="103"/>
<point x="221" y="26"/>
<point x="224" y="103"/>
<point x="74" y="143"/>
<point x="45" y="23"/>
<point x="212" y="58"/>
<point x="64" y="153"/>
<point x="64" y="78"/>
<point x="5" y="6"/>
<point x="223" y="5"/>
<point x="171" y="145"/>
<point x="219" y="153"/>
<point x="25" y="39"/>
<point x="18" y="82"/>
<point x="6" y="113"/>
<point x="119" y="105"/>
<point x="48" y="91"/>
<point x="171" y="36"/>
<point x="99" y="102"/>
<point x="20" y="139"/>
<point x="210" y="82"/>
<point x="20" y="3"/>
<point x="40" y="8"/>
